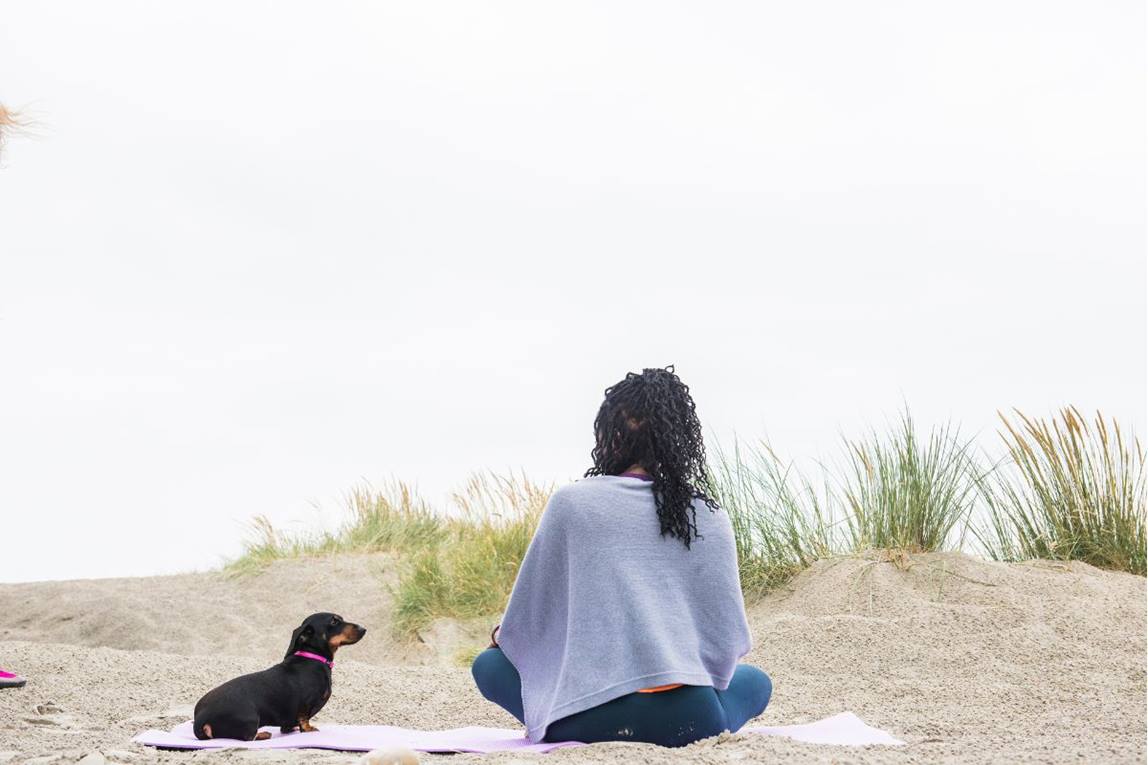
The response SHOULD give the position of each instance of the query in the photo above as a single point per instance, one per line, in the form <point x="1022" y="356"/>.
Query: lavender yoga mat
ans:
<point x="360" y="738"/>
<point x="843" y="729"/>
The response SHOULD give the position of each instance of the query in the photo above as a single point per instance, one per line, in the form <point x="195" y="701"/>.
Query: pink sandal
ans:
<point x="10" y="680"/>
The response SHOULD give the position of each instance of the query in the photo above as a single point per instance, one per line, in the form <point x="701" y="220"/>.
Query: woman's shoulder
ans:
<point x="610" y="489"/>
<point x="586" y="499"/>
<point x="580" y="498"/>
<point x="582" y="491"/>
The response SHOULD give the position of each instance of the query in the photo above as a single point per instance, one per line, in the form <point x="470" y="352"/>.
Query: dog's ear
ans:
<point x="299" y="636"/>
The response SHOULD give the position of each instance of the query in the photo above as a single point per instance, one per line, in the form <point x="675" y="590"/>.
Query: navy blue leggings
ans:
<point x="666" y="718"/>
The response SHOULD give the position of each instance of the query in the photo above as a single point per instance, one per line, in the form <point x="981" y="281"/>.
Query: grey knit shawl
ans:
<point x="604" y="605"/>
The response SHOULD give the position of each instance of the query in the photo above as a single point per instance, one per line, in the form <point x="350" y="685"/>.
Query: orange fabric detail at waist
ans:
<point x="660" y="688"/>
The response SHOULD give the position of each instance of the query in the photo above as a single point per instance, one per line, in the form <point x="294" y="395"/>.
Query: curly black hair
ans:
<point x="649" y="419"/>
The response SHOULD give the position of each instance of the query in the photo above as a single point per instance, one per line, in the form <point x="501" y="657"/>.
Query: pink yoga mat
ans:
<point x="360" y="738"/>
<point x="843" y="729"/>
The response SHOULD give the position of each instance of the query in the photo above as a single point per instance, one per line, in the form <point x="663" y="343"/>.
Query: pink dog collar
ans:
<point x="308" y="655"/>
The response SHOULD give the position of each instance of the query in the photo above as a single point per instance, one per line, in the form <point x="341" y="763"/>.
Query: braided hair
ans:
<point x="649" y="419"/>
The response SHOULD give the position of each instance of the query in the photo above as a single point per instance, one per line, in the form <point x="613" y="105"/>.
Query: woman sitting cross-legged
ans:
<point x="626" y="622"/>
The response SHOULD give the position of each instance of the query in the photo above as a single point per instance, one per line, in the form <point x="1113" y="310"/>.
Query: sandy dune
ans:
<point x="967" y="661"/>
<point x="221" y="614"/>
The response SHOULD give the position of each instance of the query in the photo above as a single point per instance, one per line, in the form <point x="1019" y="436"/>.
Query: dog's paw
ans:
<point x="398" y="755"/>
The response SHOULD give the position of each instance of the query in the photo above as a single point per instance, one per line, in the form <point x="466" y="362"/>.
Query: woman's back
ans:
<point x="606" y="605"/>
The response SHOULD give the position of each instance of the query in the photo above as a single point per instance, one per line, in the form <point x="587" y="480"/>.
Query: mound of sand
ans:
<point x="215" y="613"/>
<point x="967" y="661"/>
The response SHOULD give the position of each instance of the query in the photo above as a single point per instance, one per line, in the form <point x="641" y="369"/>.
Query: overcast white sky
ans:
<point x="259" y="252"/>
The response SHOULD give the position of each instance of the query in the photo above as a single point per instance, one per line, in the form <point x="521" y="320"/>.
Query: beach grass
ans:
<point x="460" y="562"/>
<point x="782" y="522"/>
<point x="898" y="492"/>
<point x="1067" y="490"/>
<point x="471" y="569"/>
<point x="909" y="494"/>
<point x="391" y="519"/>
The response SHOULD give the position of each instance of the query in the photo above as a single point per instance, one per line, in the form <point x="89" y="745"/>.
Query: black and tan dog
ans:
<point x="288" y="694"/>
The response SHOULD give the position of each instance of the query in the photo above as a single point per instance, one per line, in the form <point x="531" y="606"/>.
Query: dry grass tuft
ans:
<point x="471" y="571"/>
<point x="457" y="563"/>
<point x="1067" y="491"/>
<point x="392" y="519"/>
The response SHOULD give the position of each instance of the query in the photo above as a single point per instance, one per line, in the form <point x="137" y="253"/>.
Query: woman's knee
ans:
<point x="489" y="670"/>
<point x="498" y="680"/>
<point x="754" y="685"/>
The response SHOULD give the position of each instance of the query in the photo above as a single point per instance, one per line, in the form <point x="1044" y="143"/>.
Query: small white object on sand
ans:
<point x="395" y="756"/>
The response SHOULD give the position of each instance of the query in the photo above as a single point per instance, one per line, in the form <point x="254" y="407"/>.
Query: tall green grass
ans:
<point x="908" y="494"/>
<point x="898" y="492"/>
<point x="781" y="523"/>
<point x="471" y="570"/>
<point x="392" y="519"/>
<point x="1067" y="491"/>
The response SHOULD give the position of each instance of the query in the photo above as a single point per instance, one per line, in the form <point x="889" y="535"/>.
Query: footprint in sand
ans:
<point x="177" y="711"/>
<point x="49" y="715"/>
<point x="63" y="722"/>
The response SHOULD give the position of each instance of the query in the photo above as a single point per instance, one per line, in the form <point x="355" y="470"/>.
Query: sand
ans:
<point x="966" y="660"/>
